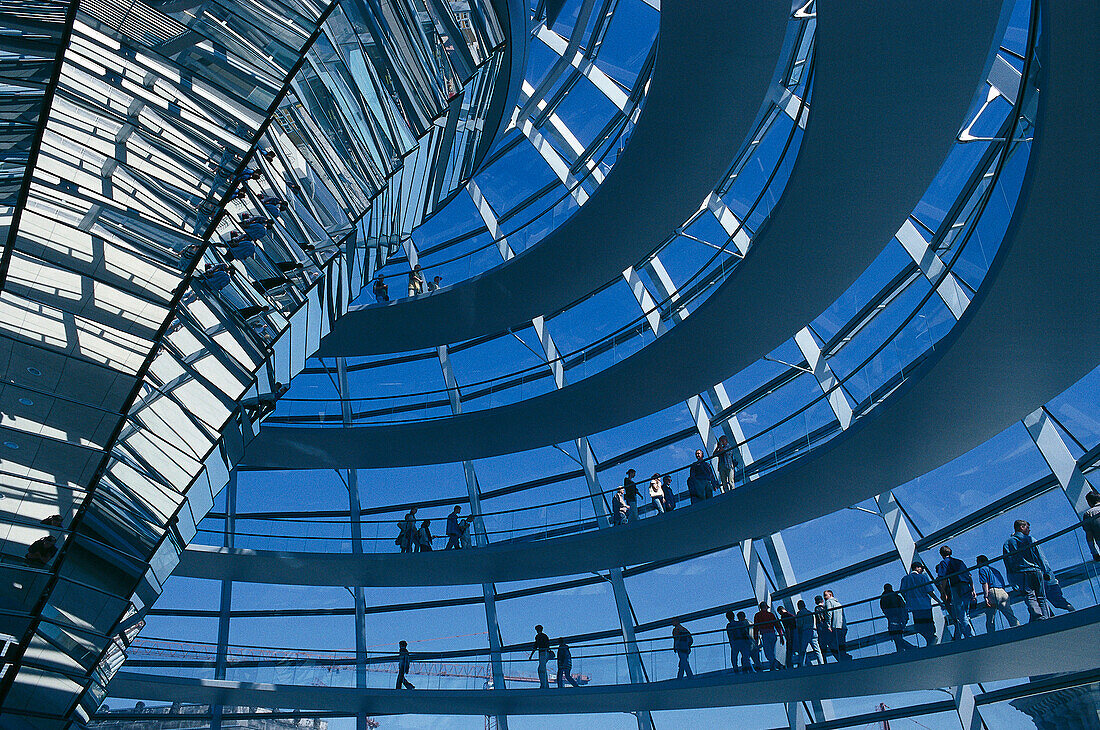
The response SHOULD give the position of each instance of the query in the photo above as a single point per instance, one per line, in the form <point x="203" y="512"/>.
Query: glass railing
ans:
<point x="602" y="659"/>
<point x="878" y="374"/>
<point x="951" y="235"/>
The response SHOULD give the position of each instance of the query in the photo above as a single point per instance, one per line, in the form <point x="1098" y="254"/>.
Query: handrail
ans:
<point x="333" y="656"/>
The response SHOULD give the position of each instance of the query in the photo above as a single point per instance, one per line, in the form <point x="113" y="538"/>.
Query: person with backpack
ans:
<point x="681" y="644"/>
<point x="565" y="665"/>
<point x="957" y="592"/>
<point x="406" y="535"/>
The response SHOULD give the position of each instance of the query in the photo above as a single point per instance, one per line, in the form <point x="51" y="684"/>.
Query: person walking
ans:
<point x="656" y="494"/>
<point x="1027" y="569"/>
<point x="565" y="665"/>
<point x="454" y="532"/>
<point x="1090" y="523"/>
<point x="893" y="608"/>
<point x="916" y="589"/>
<point x="727" y="464"/>
<point x="994" y="595"/>
<point x="542" y="646"/>
<point x="739" y="634"/>
<point x="406" y="536"/>
<point x="824" y="631"/>
<point x="681" y="644"/>
<point x="787" y="621"/>
<point x="838" y="627"/>
<point x="619" y="508"/>
<point x="701" y="480"/>
<point x="767" y="630"/>
<point x="806" y="638"/>
<point x="464" y="533"/>
<point x="957" y="591"/>
<point x="630" y="491"/>
<point x="424" y="537"/>
<point x="403" y="665"/>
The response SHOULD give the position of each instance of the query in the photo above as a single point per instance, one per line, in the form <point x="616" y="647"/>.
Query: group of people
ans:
<point x="417" y="284"/>
<point x="411" y="538"/>
<point x="563" y="656"/>
<point x="702" y="483"/>
<point x="815" y="634"/>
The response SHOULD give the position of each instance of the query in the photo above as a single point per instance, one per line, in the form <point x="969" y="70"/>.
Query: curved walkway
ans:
<point x="1029" y="335"/>
<point x="892" y="85"/>
<point x="1062" y="644"/>
<point x="712" y="72"/>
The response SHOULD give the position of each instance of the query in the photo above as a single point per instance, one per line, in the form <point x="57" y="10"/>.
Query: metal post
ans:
<point x="480" y="537"/>
<point x="356" y="544"/>
<point x="226" y="602"/>
<point x="1040" y="426"/>
<point x="599" y="507"/>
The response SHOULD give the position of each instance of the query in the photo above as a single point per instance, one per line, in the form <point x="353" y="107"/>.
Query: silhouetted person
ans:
<point x="806" y="637"/>
<point x="837" y="625"/>
<point x="1090" y="523"/>
<point x="424" y="537"/>
<point x="41" y="551"/>
<point x="565" y="665"/>
<point x="542" y="646"/>
<point x="620" y="510"/>
<point x="630" y="491"/>
<point x="435" y="284"/>
<point x="767" y="630"/>
<point x="454" y="532"/>
<point x="403" y="665"/>
<point x="669" y="492"/>
<point x="727" y="463"/>
<point x="742" y="648"/>
<point x="681" y="644"/>
<point x="893" y="608"/>
<point x="406" y="536"/>
<point x="701" y="480"/>
<point x="381" y="289"/>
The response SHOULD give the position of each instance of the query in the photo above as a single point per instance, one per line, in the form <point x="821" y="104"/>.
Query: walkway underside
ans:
<point x="1031" y="333"/>
<point x="892" y="86"/>
<point x="710" y="80"/>
<point x="1062" y="644"/>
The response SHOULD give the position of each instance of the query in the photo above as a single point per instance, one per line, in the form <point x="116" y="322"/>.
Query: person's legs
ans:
<point x="1034" y="595"/>
<point x="567" y="672"/>
<point x="816" y="646"/>
<point x="685" y="667"/>
<point x="991" y="614"/>
<point x="725" y="477"/>
<point x="544" y="680"/>
<point x="922" y="622"/>
<point x="768" y="642"/>
<point x="960" y="609"/>
<point x="658" y="505"/>
<point x="842" y="643"/>
<point x="823" y="647"/>
<point x="1055" y="598"/>
<point x="560" y="677"/>
<point x="1002" y="603"/>
<point x="452" y="543"/>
